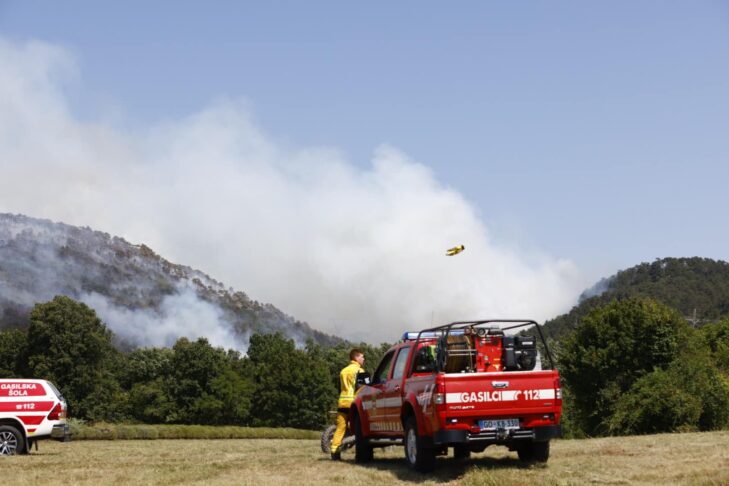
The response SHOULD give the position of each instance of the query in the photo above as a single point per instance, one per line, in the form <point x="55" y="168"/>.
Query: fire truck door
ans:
<point x="392" y="396"/>
<point x="374" y="403"/>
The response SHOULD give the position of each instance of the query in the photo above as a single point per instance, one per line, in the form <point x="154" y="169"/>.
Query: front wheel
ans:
<point x="418" y="455"/>
<point x="11" y="441"/>
<point x="534" y="452"/>
<point x="362" y="449"/>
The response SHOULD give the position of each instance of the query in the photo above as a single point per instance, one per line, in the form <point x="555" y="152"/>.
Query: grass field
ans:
<point x="657" y="459"/>
<point x="103" y="431"/>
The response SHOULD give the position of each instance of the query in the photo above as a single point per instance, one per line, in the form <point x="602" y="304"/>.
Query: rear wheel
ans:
<point x="11" y="441"/>
<point x="419" y="456"/>
<point x="362" y="448"/>
<point x="534" y="452"/>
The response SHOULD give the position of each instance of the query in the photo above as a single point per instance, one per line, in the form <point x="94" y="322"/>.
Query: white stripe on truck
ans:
<point x="500" y="396"/>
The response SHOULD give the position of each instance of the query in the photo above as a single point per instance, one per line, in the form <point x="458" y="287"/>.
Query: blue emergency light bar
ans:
<point x="430" y="334"/>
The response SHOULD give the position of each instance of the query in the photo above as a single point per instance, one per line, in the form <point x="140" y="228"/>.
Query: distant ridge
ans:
<point x="131" y="284"/>
<point x="696" y="287"/>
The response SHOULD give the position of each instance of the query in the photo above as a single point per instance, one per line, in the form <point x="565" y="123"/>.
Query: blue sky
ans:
<point x="594" y="132"/>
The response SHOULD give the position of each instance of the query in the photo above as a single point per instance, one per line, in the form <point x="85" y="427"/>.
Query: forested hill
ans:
<point x="143" y="298"/>
<point x="696" y="287"/>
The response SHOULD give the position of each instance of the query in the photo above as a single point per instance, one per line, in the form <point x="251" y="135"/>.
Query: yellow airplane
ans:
<point x="455" y="250"/>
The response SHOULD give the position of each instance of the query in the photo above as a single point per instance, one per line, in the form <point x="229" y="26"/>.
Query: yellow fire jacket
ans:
<point x="347" y="379"/>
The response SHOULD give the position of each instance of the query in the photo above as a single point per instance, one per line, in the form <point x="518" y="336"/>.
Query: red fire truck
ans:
<point x="464" y="385"/>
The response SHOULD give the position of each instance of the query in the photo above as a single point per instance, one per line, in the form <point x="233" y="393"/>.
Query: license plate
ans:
<point x="499" y="424"/>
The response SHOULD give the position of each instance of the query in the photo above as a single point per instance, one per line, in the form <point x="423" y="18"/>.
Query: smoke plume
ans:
<point x="181" y="314"/>
<point x="358" y="252"/>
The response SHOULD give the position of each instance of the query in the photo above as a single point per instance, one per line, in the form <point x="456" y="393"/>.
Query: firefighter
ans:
<point x="347" y="386"/>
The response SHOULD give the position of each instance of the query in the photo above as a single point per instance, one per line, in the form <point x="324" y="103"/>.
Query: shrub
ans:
<point x="611" y="349"/>
<point x="654" y="404"/>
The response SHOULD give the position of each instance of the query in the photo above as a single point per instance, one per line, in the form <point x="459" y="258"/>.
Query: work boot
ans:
<point x="336" y="456"/>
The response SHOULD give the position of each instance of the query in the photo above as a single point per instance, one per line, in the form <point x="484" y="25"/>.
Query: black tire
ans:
<point x="12" y="441"/>
<point x="418" y="455"/>
<point x="362" y="449"/>
<point x="534" y="452"/>
<point x="326" y="438"/>
<point x="461" y="451"/>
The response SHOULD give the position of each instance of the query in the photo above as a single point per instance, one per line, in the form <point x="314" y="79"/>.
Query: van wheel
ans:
<point x="534" y="452"/>
<point x="362" y="449"/>
<point x="419" y="456"/>
<point x="11" y="441"/>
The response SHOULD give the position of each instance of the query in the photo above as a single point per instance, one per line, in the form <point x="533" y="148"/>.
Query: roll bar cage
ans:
<point x="446" y="330"/>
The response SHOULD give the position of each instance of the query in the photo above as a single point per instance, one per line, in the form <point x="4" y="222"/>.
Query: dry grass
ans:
<point x="104" y="431"/>
<point x="657" y="459"/>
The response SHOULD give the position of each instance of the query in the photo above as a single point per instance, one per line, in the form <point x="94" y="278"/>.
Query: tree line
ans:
<point x="696" y="287"/>
<point x="635" y="366"/>
<point x="275" y="384"/>
<point x="631" y="366"/>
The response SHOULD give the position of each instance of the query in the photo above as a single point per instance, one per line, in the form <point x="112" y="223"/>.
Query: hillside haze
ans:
<point x="143" y="298"/>
<point x="696" y="287"/>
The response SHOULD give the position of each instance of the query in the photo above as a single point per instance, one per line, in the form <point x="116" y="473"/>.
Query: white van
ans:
<point x="30" y="410"/>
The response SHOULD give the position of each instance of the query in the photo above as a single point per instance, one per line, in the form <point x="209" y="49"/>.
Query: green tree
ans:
<point x="143" y="365"/>
<point x="70" y="346"/>
<point x="292" y="386"/>
<point x="206" y="385"/>
<point x="142" y="375"/>
<point x="228" y="402"/>
<point x="613" y="347"/>
<point x="571" y="429"/>
<point x="716" y="337"/>
<point x="655" y="404"/>
<point x="695" y="370"/>
<point x="13" y="347"/>
<point x="150" y="403"/>
<point x="690" y="394"/>
<point x="194" y="365"/>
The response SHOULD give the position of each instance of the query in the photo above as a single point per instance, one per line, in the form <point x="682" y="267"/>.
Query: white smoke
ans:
<point x="357" y="252"/>
<point x="181" y="314"/>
